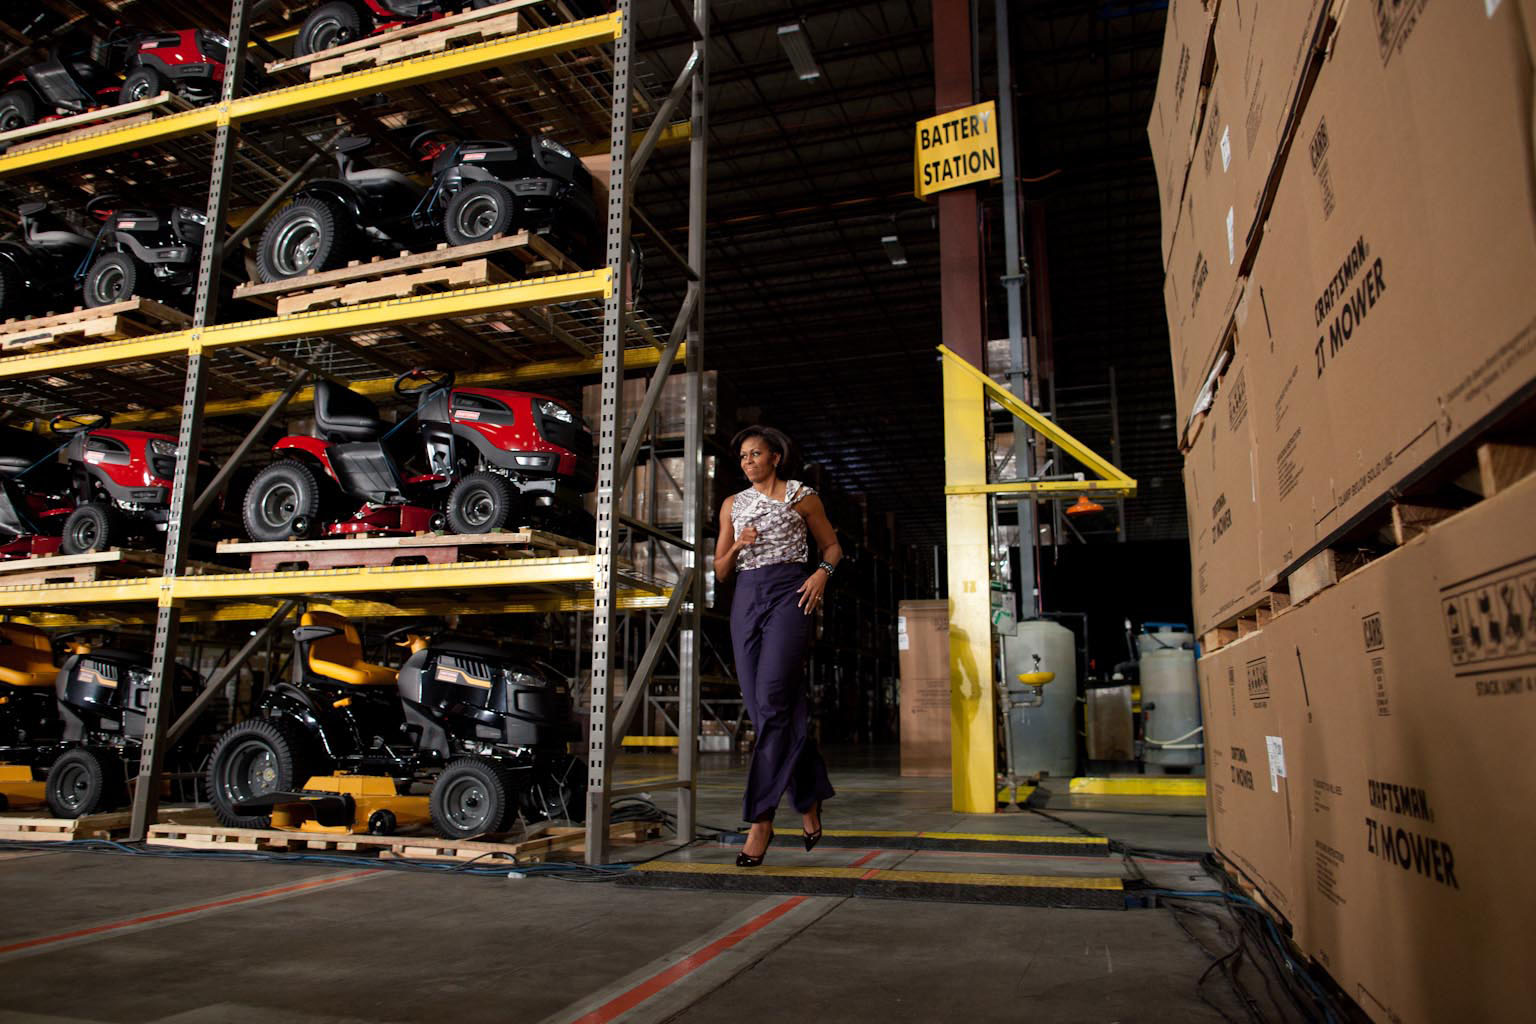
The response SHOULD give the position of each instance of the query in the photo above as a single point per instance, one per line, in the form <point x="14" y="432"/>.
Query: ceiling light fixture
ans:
<point x="798" y="48"/>
<point x="893" y="249"/>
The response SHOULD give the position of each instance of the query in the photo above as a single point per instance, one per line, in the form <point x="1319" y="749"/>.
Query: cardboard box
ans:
<point x="922" y="647"/>
<point x="1263" y="55"/>
<point x="1201" y="287"/>
<point x="1221" y="500"/>
<point x="1253" y="805"/>
<point x="1409" y="765"/>
<point x="1392" y="294"/>
<point x="1177" y="104"/>
<point x="671" y="409"/>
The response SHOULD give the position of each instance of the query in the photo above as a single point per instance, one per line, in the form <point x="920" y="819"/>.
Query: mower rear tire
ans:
<point x="479" y="213"/>
<point x="480" y="503"/>
<point x="84" y="781"/>
<point x="332" y="24"/>
<point x="114" y="277"/>
<point x="310" y="234"/>
<point x="142" y="83"/>
<point x="256" y="757"/>
<point x="18" y="109"/>
<point x="472" y="797"/>
<point x="94" y="526"/>
<point x="282" y="502"/>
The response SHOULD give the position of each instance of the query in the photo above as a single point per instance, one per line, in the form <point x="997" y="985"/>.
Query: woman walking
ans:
<point x="763" y="538"/>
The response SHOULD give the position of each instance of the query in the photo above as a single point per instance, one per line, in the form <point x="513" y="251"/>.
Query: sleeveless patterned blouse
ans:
<point x="781" y="533"/>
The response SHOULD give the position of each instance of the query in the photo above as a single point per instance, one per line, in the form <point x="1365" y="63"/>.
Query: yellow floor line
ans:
<point x="888" y="875"/>
<point x="1138" y="787"/>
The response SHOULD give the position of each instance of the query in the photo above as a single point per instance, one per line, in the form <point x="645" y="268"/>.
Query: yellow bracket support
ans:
<point x="1112" y="481"/>
<point x="973" y="757"/>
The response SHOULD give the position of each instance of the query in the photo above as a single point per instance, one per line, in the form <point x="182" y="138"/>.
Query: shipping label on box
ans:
<point x="1412" y="756"/>
<point x="1395" y="276"/>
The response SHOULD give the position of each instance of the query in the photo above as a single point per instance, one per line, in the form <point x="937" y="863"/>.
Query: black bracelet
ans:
<point x="827" y="567"/>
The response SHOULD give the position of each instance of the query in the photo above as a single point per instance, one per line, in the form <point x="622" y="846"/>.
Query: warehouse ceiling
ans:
<point x="807" y="316"/>
<point x="806" y="312"/>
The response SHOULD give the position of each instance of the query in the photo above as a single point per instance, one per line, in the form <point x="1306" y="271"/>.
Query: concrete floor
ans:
<point x="104" y="937"/>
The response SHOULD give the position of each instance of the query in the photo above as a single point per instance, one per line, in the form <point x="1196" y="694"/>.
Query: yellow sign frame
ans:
<point x="955" y="149"/>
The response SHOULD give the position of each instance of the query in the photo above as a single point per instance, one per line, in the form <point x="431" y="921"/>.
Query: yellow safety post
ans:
<point x="973" y="757"/>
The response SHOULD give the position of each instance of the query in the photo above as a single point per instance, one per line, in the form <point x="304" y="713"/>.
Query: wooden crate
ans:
<point x="131" y="318"/>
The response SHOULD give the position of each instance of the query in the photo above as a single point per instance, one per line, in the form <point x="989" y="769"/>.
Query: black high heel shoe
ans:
<point x="746" y="860"/>
<point x="812" y="838"/>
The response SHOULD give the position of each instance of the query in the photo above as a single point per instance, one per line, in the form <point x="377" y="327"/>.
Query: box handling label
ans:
<point x="956" y="149"/>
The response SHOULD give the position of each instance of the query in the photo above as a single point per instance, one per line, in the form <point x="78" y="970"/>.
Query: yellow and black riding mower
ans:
<point x="30" y="728"/>
<point x="341" y="749"/>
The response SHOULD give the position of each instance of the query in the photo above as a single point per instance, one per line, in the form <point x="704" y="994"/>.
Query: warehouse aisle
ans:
<point x="192" y="939"/>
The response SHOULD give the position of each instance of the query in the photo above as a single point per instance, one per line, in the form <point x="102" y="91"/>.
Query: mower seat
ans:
<point x="26" y="656"/>
<point x="339" y="657"/>
<point x="344" y="415"/>
<point x="21" y="449"/>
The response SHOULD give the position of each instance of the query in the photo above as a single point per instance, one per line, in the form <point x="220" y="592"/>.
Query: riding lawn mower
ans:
<point x="468" y="460"/>
<point x="340" y="748"/>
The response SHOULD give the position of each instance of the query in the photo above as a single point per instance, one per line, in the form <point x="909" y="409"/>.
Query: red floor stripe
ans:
<point x="871" y="855"/>
<point x="686" y="966"/>
<point x="166" y="915"/>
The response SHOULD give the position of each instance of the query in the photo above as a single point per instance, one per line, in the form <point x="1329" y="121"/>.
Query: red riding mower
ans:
<point x="339" y="750"/>
<point x="469" y="460"/>
<point x="113" y="485"/>
<point x="130" y="65"/>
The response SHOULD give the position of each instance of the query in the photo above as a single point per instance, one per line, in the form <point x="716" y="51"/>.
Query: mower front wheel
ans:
<point x="480" y="503"/>
<point x="472" y="797"/>
<point x="282" y="502"/>
<point x="13" y="293"/>
<point x="255" y="758"/>
<point x="84" y="781"/>
<point x="114" y="277"/>
<point x="18" y="109"/>
<point x="142" y="83"/>
<point x="93" y="526"/>
<point x="479" y="213"/>
<point x="330" y="25"/>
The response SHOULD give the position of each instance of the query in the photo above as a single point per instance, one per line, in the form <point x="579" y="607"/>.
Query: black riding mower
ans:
<point x="341" y="749"/>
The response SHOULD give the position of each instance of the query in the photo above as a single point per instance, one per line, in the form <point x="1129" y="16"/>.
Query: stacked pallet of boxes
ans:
<point x="1349" y="202"/>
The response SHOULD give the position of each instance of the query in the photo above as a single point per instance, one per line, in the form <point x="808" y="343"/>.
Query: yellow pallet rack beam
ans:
<point x="528" y="373"/>
<point x="588" y="284"/>
<point x="523" y="46"/>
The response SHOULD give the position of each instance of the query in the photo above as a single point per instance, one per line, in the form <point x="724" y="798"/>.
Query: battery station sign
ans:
<point x="955" y="149"/>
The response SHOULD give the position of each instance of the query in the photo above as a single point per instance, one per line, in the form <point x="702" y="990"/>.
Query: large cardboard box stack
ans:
<point x="1352" y="303"/>
<point x="1370" y="775"/>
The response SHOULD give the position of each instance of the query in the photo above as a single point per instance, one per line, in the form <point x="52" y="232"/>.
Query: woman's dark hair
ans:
<point x="776" y="440"/>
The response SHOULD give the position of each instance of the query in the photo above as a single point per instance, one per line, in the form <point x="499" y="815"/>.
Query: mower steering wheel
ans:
<point x="404" y="636"/>
<point x="68" y="424"/>
<point x="63" y="645"/>
<point x="426" y="382"/>
<point x="102" y="207"/>
<point x="432" y="143"/>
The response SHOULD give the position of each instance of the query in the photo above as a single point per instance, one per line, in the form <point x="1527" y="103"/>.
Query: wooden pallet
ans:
<point x="395" y="286"/>
<point x="481" y="852"/>
<point x="116" y="564"/>
<point x="412" y="41"/>
<point x="129" y="319"/>
<point x="423" y="549"/>
<point x="65" y="129"/>
<point x="1250" y="619"/>
<point x="535" y="253"/>
<point x="113" y="824"/>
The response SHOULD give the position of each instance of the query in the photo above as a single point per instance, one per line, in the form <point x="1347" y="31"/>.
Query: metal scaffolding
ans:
<point x="570" y="324"/>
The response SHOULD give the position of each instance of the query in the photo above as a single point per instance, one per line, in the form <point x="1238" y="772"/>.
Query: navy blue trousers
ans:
<point x="771" y="636"/>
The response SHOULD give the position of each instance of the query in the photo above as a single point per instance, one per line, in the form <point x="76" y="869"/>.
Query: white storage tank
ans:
<point x="1170" y="695"/>
<point x="1044" y="738"/>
